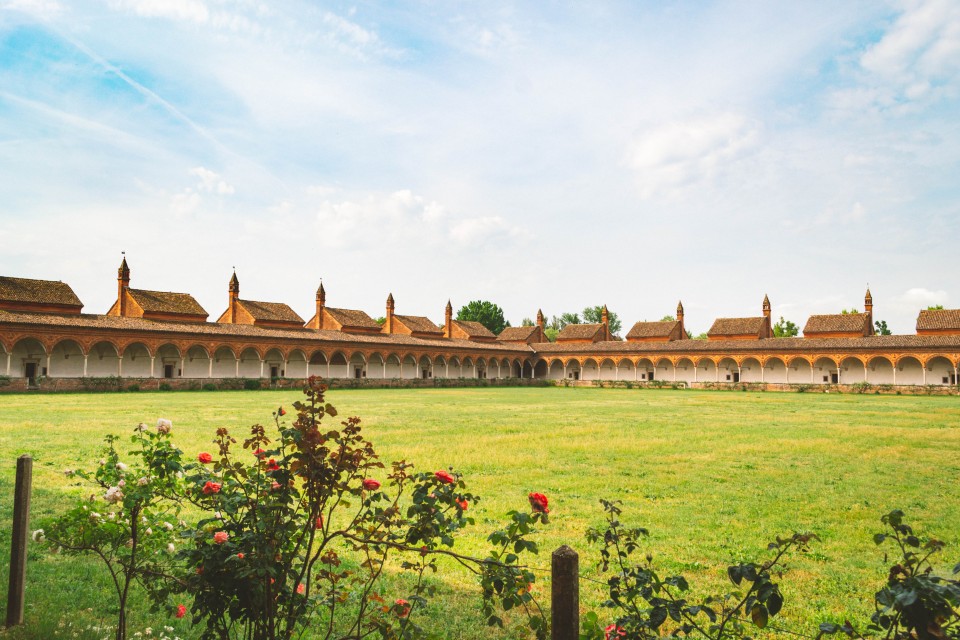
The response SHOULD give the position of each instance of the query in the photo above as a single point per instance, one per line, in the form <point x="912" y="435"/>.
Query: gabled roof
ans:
<point x="516" y="334"/>
<point x="474" y="329"/>
<point x="661" y="329"/>
<point x="352" y="318"/>
<point x="166" y="302"/>
<point x="939" y="320"/>
<point x="858" y="323"/>
<point x="419" y="324"/>
<point x="37" y="291"/>
<point x="737" y="326"/>
<point x="270" y="311"/>
<point x="579" y="332"/>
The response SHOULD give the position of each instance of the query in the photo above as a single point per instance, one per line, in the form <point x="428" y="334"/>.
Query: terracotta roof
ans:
<point x="939" y="319"/>
<point x="419" y="324"/>
<point x="352" y="318"/>
<point x="837" y="323"/>
<point x="271" y="311"/>
<point x="474" y="329"/>
<point x="516" y="334"/>
<point x="103" y="323"/>
<point x="37" y="291"/>
<point x="736" y="326"/>
<point x="661" y="329"/>
<point x="579" y="331"/>
<point x="166" y="302"/>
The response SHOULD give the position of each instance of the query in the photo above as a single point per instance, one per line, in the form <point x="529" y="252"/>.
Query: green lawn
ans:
<point x="713" y="475"/>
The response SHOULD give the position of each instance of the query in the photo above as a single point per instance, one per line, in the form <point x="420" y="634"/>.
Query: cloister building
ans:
<point x="161" y="335"/>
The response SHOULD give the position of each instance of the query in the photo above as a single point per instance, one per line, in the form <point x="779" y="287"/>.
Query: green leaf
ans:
<point x="879" y="538"/>
<point x="733" y="572"/>
<point x="775" y="603"/>
<point x="759" y="615"/>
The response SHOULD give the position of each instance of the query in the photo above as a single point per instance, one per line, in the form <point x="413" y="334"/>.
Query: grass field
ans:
<point x="713" y="475"/>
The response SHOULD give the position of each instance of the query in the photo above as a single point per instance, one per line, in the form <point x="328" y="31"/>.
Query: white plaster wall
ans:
<point x="393" y="368"/>
<point x="706" y="371"/>
<point x="879" y="371"/>
<point x="823" y="369"/>
<point x="726" y="369"/>
<point x="589" y="371"/>
<point x="297" y="365"/>
<point x="224" y="364"/>
<point x="66" y="360"/>
<point x="197" y="364"/>
<point x="555" y="372"/>
<point x="774" y="371"/>
<point x="102" y="360"/>
<point x="909" y="371"/>
<point x="851" y="371"/>
<point x="939" y="369"/>
<point x="685" y="371"/>
<point x="750" y="370"/>
<point x="608" y="370"/>
<point x="136" y="362"/>
<point x="249" y="364"/>
<point x="663" y="371"/>
<point x="799" y="372"/>
<point x="625" y="370"/>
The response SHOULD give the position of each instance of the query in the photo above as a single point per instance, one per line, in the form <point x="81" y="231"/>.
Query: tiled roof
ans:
<point x="419" y="324"/>
<point x="939" y="319"/>
<point x="653" y="329"/>
<point x="736" y="326"/>
<point x="37" y="291"/>
<point x="166" y="302"/>
<point x="352" y="318"/>
<point x="837" y="323"/>
<point x="271" y="311"/>
<point x="516" y="334"/>
<point x="103" y="323"/>
<point x="579" y="331"/>
<point x="474" y="329"/>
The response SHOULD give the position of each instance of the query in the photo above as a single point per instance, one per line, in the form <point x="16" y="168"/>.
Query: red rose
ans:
<point x="220" y="537"/>
<point x="259" y="453"/>
<point x="319" y="523"/>
<point x="462" y="503"/>
<point x="211" y="487"/>
<point x="402" y="608"/>
<point x="444" y="477"/>
<point x="205" y="458"/>
<point x="240" y="556"/>
<point x="538" y="502"/>
<point x="613" y="631"/>
<point x="370" y="484"/>
<point x="272" y="465"/>
<point x="181" y="611"/>
<point x="281" y="412"/>
<point x="301" y="588"/>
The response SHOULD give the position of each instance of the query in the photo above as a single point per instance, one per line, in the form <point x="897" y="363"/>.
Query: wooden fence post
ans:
<point x="565" y="594"/>
<point x="18" y="543"/>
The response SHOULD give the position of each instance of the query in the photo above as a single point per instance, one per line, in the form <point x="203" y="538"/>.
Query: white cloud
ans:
<point x="682" y="152"/>
<point x="211" y="182"/>
<point x="923" y="298"/>
<point x="39" y="8"/>
<point x="350" y="37"/>
<point x="180" y="10"/>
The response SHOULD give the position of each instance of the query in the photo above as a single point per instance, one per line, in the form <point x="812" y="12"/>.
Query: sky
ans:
<point x="551" y="155"/>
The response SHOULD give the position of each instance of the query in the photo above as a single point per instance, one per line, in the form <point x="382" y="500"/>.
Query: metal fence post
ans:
<point x="18" y="543"/>
<point x="565" y="594"/>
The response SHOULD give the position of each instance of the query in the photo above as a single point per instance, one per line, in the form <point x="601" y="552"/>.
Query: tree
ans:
<point x="848" y="312"/>
<point x="786" y="329"/>
<point x="594" y="315"/>
<point x="881" y="326"/>
<point x="565" y="319"/>
<point x="668" y="319"/>
<point x="936" y="307"/>
<point x="380" y="321"/>
<point x="526" y="322"/>
<point x="486" y="313"/>
<point x="552" y="334"/>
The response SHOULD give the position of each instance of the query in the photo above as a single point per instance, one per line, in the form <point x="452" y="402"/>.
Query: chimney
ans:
<point x="683" y="331"/>
<point x="321" y="303"/>
<point x="448" y="321"/>
<point x="605" y="319"/>
<point x="234" y="290"/>
<point x="123" y="283"/>
<point x="768" y="328"/>
<point x="868" y="308"/>
<point x="388" y="325"/>
<point x="542" y="323"/>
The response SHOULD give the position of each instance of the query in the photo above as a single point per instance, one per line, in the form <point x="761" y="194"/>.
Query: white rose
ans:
<point x="38" y="536"/>
<point x="171" y="548"/>
<point x="168" y="526"/>
<point x="114" y="494"/>
<point x="121" y="466"/>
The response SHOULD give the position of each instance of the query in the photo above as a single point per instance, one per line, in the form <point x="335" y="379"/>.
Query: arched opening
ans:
<point x="317" y="365"/>
<point x="393" y="366"/>
<point x="574" y="370"/>
<point x="527" y="369"/>
<point x="250" y="365"/>
<point x="376" y="366"/>
<point x="664" y="370"/>
<point x="469" y="370"/>
<point x="168" y="363"/>
<point x="556" y="370"/>
<point x="879" y="370"/>
<point x="504" y="371"/>
<point x="225" y="363"/>
<point x="626" y="370"/>
<point x="455" y="367"/>
<point x="825" y="371"/>
<point x="274" y="366"/>
<point x="852" y="370"/>
<point x="135" y="361"/>
<point x="339" y="367"/>
<point x="685" y="370"/>
<point x="909" y="371"/>
<point x="410" y="367"/>
<point x="481" y="368"/>
<point x="590" y="370"/>
<point x="608" y="370"/>
<point x="775" y="370"/>
<point x="66" y="360"/>
<point x="358" y="366"/>
<point x="645" y="370"/>
<point x="940" y="371"/>
<point x="197" y="363"/>
<point x="440" y="368"/>
<point x="541" y="369"/>
<point x="425" y="368"/>
<point x="750" y="370"/>
<point x="706" y="370"/>
<point x="28" y="360"/>
<point x="799" y="371"/>
<point x="728" y="371"/>
<point x="103" y="360"/>
<point x="297" y="364"/>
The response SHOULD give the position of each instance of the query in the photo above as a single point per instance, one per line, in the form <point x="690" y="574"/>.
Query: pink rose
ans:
<point x="444" y="477"/>
<point x="370" y="484"/>
<point x="205" y="458"/>
<point x="301" y="588"/>
<point x="220" y="537"/>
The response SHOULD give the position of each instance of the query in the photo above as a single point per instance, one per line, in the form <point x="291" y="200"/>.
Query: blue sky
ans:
<point x="541" y="155"/>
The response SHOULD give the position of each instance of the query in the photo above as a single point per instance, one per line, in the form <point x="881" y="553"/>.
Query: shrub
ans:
<point x="251" y="384"/>
<point x="209" y="386"/>
<point x="133" y="387"/>
<point x="165" y="386"/>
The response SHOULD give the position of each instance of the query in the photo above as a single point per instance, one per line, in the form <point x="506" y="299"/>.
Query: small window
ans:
<point x="728" y="376"/>
<point x="945" y="379"/>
